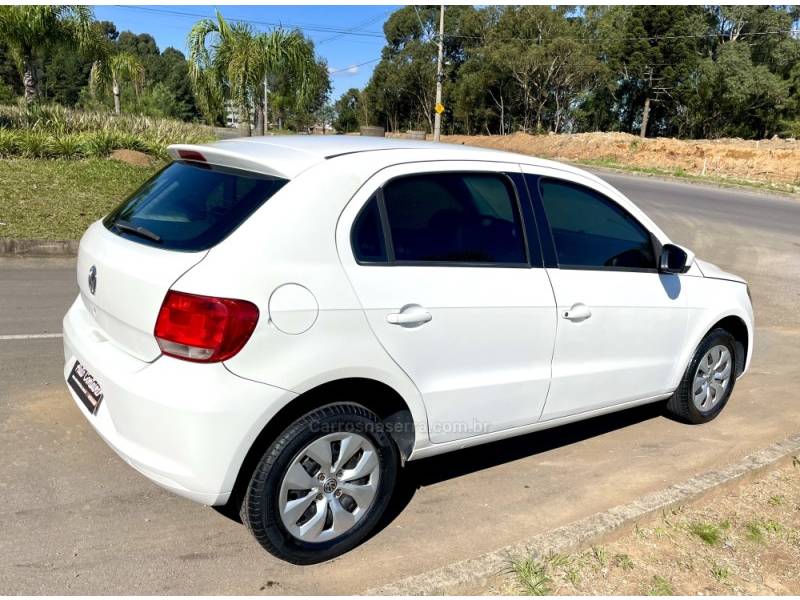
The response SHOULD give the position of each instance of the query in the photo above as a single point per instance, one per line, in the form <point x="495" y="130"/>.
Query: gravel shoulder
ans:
<point x="743" y="540"/>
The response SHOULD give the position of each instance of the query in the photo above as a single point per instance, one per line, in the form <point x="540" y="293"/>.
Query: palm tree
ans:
<point x="112" y="69"/>
<point x="29" y="31"/>
<point x="231" y="62"/>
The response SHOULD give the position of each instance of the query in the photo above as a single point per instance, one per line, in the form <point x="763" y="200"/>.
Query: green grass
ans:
<point x="57" y="199"/>
<point x="720" y="572"/>
<point x="531" y="576"/>
<point x="623" y="561"/>
<point x="710" y="533"/>
<point x="660" y="587"/>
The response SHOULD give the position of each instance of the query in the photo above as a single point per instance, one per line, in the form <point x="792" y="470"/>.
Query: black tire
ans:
<point x="680" y="405"/>
<point x="260" y="508"/>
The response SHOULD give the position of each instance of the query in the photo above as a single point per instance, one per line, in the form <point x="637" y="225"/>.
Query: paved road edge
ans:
<point x="592" y="529"/>
<point x="43" y="248"/>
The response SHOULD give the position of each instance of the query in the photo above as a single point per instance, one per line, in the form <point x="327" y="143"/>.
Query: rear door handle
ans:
<point x="409" y="316"/>
<point x="577" y="312"/>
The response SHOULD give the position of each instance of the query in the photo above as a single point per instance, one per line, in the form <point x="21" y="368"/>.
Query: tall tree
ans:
<point x="348" y="109"/>
<point x="113" y="69"/>
<point x="229" y="61"/>
<point x="32" y="31"/>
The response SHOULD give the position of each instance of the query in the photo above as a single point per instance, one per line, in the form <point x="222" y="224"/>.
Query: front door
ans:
<point x="621" y="323"/>
<point x="454" y="291"/>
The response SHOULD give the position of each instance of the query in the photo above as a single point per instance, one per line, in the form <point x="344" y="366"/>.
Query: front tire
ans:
<point x="322" y="485"/>
<point x="708" y="381"/>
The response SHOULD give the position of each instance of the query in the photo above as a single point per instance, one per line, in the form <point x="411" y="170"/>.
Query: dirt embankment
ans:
<point x="762" y="161"/>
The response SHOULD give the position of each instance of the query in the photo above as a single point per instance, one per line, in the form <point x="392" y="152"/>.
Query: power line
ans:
<point x="304" y="27"/>
<point x="343" y="69"/>
<point x="349" y="30"/>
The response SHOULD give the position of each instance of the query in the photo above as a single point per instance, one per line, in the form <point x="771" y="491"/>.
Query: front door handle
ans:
<point x="410" y="315"/>
<point x="577" y="312"/>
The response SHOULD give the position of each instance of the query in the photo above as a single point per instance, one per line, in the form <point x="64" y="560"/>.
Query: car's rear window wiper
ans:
<point x="136" y="229"/>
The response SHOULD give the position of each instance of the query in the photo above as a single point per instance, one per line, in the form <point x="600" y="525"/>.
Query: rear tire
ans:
<point x="708" y="381"/>
<point x="298" y="504"/>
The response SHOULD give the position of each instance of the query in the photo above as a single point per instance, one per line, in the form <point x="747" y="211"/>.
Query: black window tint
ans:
<point x="590" y="230"/>
<point x="454" y="217"/>
<point x="368" y="243"/>
<point x="193" y="206"/>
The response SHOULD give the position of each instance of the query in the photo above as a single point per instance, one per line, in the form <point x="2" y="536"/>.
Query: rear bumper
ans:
<point x="185" y="426"/>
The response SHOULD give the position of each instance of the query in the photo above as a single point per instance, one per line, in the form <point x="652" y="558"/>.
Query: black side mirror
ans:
<point x="673" y="259"/>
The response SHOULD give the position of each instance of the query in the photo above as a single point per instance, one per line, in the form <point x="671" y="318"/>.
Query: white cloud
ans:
<point x="351" y="70"/>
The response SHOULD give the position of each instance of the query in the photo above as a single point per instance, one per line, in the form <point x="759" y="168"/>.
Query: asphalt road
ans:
<point x="76" y="519"/>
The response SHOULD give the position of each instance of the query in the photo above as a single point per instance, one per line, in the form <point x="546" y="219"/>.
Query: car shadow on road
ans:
<point x="429" y="471"/>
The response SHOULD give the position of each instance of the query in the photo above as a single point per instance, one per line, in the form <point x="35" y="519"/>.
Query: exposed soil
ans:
<point x="764" y="161"/>
<point x="133" y="157"/>
<point x="740" y="541"/>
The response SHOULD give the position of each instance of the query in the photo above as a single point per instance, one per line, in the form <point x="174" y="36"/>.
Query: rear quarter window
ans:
<point x="191" y="206"/>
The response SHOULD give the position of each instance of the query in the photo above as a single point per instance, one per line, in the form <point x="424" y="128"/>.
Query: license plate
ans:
<point x="85" y="387"/>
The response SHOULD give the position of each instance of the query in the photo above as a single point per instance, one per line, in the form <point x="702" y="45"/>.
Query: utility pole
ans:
<point x="437" y="119"/>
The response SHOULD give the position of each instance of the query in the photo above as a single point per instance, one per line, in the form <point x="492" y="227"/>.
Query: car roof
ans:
<point x="289" y="155"/>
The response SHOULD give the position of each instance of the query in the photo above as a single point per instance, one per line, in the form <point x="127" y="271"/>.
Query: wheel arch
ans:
<point x="735" y="323"/>
<point x="736" y="326"/>
<point x="404" y="426"/>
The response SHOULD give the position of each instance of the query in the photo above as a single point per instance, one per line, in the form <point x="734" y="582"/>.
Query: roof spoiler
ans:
<point x="217" y="155"/>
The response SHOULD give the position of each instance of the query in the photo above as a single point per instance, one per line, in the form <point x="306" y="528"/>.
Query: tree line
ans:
<point x="62" y="55"/>
<point x="682" y="71"/>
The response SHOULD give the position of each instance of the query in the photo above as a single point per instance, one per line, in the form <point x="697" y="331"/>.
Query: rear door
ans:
<point x="455" y="291"/>
<point x="621" y="323"/>
<point x="127" y="263"/>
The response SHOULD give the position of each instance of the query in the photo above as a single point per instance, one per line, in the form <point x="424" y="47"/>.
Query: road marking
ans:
<point x="31" y="336"/>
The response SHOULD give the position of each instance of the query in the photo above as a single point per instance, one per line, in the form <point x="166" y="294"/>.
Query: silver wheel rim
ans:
<point x="712" y="378"/>
<point x="329" y="486"/>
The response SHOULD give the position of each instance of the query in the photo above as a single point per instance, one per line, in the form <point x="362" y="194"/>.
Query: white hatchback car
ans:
<point x="280" y="323"/>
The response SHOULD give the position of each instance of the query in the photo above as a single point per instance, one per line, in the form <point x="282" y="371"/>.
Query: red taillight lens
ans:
<point x="202" y="328"/>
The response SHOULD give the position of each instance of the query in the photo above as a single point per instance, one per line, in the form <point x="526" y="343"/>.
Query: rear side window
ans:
<point x="454" y="218"/>
<point x="368" y="242"/>
<point x="590" y="230"/>
<point x="191" y="207"/>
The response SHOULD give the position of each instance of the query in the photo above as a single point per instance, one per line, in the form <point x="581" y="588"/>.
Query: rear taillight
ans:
<point x="202" y="328"/>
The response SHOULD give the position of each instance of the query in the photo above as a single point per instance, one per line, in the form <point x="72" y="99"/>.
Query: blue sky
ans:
<point x="326" y="25"/>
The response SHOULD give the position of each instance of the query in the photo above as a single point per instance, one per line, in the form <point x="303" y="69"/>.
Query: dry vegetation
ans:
<point x="739" y="541"/>
<point x="772" y="163"/>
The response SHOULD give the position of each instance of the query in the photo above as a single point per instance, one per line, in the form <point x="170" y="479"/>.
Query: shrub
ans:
<point x="34" y="144"/>
<point x="99" y="145"/>
<point x="48" y="129"/>
<point x="68" y="145"/>
<point x="9" y="143"/>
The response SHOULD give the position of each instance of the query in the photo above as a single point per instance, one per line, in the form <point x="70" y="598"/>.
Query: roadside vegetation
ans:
<point x="57" y="199"/>
<point x="52" y="131"/>
<point x="739" y="541"/>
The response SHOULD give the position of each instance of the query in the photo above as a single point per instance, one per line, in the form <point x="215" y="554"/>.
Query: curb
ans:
<point x="592" y="529"/>
<point x="22" y="247"/>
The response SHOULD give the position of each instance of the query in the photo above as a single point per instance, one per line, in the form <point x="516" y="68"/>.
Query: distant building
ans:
<point x="232" y="114"/>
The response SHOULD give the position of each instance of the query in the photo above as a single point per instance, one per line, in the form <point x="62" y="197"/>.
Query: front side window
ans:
<point x="454" y="218"/>
<point x="590" y="230"/>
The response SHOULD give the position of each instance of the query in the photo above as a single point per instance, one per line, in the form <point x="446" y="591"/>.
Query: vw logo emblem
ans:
<point x="93" y="279"/>
<point x="330" y="485"/>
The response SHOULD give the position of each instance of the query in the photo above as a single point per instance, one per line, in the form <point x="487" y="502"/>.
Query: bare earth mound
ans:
<point x="762" y="161"/>
<point x="132" y="157"/>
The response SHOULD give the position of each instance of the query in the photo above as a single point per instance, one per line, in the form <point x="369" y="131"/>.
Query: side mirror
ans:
<point x="674" y="259"/>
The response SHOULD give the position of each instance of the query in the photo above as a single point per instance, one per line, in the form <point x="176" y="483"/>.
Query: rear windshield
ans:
<point x="191" y="207"/>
